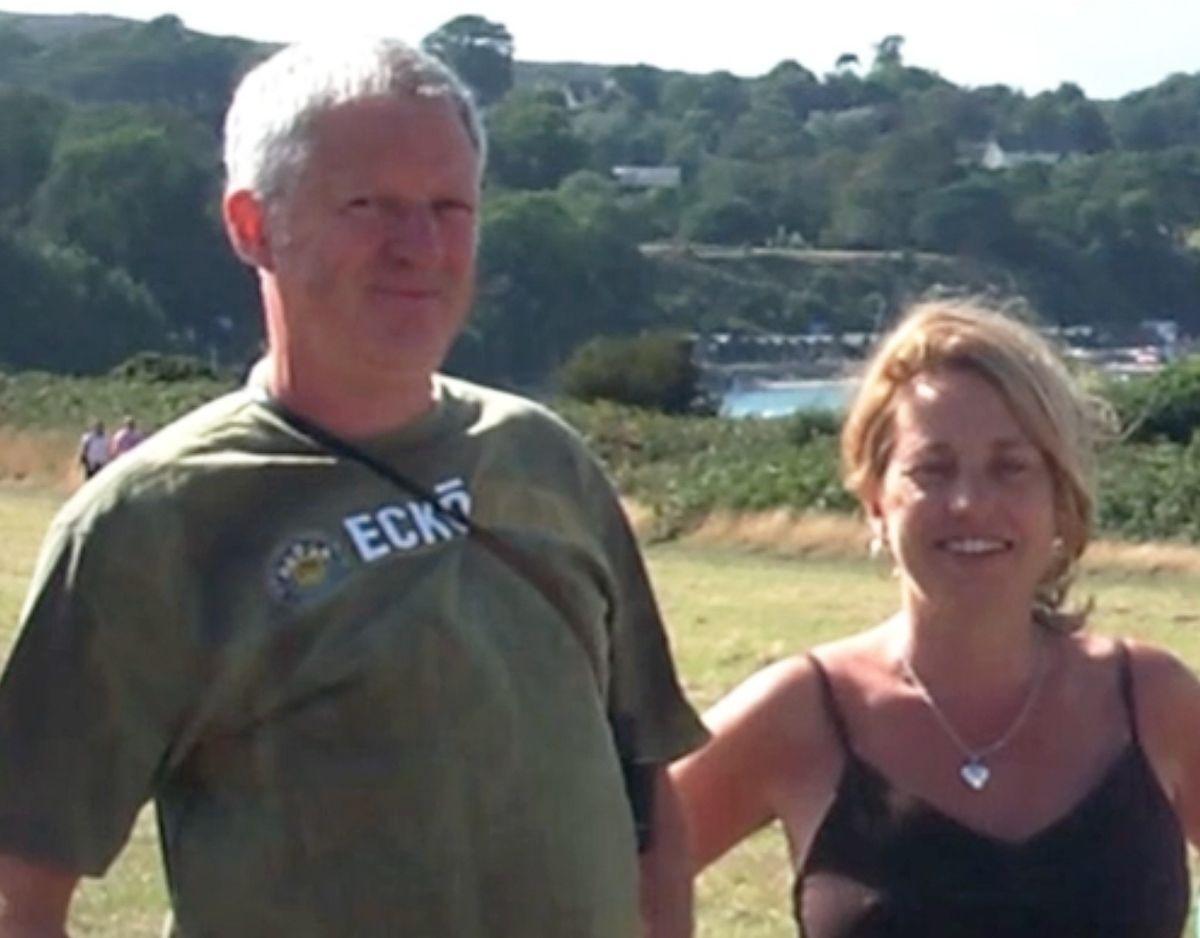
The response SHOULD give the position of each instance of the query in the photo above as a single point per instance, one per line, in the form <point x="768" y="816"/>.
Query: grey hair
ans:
<point x="267" y="129"/>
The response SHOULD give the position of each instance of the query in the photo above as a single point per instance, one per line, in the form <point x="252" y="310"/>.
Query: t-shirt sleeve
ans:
<point x="652" y="720"/>
<point x="90" y="698"/>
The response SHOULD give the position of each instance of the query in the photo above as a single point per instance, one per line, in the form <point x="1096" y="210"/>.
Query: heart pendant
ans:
<point x="975" y="774"/>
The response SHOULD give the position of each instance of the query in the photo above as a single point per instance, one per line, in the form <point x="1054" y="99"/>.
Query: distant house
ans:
<point x="991" y="155"/>
<point x="648" y="177"/>
<point x="996" y="157"/>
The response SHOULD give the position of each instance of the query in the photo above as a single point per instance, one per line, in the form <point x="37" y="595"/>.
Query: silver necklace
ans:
<point x="974" y="771"/>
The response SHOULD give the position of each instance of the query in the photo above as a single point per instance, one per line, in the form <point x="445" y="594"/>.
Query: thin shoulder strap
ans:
<point x="1125" y="664"/>
<point x="830" y="701"/>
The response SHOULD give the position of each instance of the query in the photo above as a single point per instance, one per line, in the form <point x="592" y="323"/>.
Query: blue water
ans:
<point x="783" y="398"/>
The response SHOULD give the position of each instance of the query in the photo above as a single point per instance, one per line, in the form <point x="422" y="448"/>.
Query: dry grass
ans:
<point x="841" y="537"/>
<point x="43" y="457"/>
<point x="783" y="532"/>
<point x="729" y="613"/>
<point x="1112" y="556"/>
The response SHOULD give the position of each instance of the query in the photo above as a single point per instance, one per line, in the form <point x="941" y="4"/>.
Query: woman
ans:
<point x="976" y="765"/>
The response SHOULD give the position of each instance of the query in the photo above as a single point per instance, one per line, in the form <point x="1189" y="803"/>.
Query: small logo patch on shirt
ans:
<point x="306" y="569"/>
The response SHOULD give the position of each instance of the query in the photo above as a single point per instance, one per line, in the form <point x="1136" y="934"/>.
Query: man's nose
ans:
<point x="413" y="235"/>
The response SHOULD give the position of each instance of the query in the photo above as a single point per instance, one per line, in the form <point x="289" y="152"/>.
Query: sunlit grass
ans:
<point x="730" y="611"/>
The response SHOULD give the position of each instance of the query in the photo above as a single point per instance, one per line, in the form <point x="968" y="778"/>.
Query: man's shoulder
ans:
<point x="154" y="473"/>
<point x="504" y="410"/>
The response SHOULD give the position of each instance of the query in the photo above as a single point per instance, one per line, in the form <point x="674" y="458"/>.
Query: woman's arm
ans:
<point x="765" y="735"/>
<point x="1167" y="697"/>
<point x="666" y="880"/>
<point x="33" y="899"/>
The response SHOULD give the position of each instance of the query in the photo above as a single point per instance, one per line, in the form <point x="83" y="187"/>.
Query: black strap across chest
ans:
<point x="638" y="777"/>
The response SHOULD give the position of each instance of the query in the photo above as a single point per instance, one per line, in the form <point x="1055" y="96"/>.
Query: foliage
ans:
<point x="549" y="280"/>
<point x="159" y="62"/>
<point x="532" y="143"/>
<point x="29" y="124"/>
<point x="685" y="467"/>
<point x="805" y="426"/>
<point x="655" y="371"/>
<point x="480" y="52"/>
<point x="39" y="400"/>
<point x="108" y="147"/>
<point x="66" y="311"/>
<point x="1163" y="406"/>
<point x="136" y="196"/>
<point x="164" y="369"/>
<point x="1152" y="491"/>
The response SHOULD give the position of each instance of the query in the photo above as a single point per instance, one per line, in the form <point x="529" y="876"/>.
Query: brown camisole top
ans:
<point x="886" y="864"/>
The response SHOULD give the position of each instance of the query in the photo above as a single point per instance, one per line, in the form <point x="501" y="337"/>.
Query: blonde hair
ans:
<point x="1059" y="419"/>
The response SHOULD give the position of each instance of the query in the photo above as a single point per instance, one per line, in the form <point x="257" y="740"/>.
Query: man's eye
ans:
<point x="449" y="206"/>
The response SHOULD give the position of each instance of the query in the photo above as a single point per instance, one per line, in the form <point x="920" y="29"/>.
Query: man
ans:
<point x="126" y="438"/>
<point x="364" y="705"/>
<point x="93" y="449"/>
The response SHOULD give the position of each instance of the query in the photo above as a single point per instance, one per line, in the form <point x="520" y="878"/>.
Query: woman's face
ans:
<point x="966" y="503"/>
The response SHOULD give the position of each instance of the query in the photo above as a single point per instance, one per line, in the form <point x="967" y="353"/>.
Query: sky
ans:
<point x="1107" y="47"/>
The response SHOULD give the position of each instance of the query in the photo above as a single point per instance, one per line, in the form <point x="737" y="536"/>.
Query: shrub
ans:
<point x="1163" y="406"/>
<point x="653" y="371"/>
<point x="804" y="426"/>
<point x="158" y="368"/>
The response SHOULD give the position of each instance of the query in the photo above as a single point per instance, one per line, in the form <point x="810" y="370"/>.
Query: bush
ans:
<point x="158" y="368"/>
<point x="653" y="371"/>
<point x="1164" y="406"/>
<point x="804" y="426"/>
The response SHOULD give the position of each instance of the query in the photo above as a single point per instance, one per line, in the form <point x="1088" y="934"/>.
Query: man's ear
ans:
<point x="245" y="218"/>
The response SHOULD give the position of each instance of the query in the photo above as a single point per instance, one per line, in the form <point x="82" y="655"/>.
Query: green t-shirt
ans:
<point x="354" y="719"/>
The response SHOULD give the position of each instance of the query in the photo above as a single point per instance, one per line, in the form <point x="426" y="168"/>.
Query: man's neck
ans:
<point x="352" y="407"/>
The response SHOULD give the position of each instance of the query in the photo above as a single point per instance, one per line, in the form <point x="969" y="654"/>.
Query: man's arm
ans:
<point x="666" y="876"/>
<point x="33" y="899"/>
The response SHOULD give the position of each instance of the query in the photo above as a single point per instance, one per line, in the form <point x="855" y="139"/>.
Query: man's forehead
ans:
<point x="409" y="126"/>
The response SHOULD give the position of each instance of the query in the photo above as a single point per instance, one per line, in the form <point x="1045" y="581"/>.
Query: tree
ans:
<point x="141" y="197"/>
<point x="654" y="371"/>
<point x="65" y="311"/>
<point x="532" y="143"/>
<point x="970" y="217"/>
<point x="640" y="83"/>
<point x="29" y="124"/>
<point x="875" y="208"/>
<point x="734" y="220"/>
<point x="548" y="281"/>
<point x="159" y="62"/>
<point x="479" y="50"/>
<point x="888" y="53"/>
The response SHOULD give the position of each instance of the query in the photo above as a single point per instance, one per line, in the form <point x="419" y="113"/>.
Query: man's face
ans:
<point x="373" y="247"/>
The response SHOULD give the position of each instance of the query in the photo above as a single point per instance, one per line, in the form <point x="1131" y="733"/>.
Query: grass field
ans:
<point x="730" y="611"/>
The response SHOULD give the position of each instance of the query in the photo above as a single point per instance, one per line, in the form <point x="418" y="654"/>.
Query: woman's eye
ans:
<point x="930" y="470"/>
<point x="1013" y="467"/>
